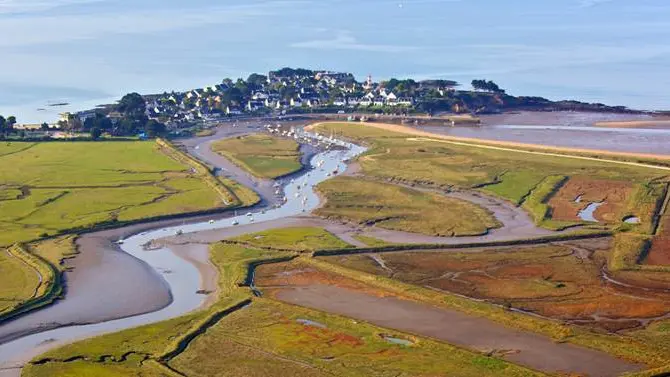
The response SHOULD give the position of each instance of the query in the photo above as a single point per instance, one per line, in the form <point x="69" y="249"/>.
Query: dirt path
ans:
<point x="457" y="328"/>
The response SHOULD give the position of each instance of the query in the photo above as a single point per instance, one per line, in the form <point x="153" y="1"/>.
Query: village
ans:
<point x="281" y="92"/>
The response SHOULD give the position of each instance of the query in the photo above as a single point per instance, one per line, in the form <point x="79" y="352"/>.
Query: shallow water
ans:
<point x="587" y="213"/>
<point x="182" y="278"/>
<point x="632" y="220"/>
<point x="402" y="342"/>
<point x="309" y="322"/>
<point x="634" y="140"/>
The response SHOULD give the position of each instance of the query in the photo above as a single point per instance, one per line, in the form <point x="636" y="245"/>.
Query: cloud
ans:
<point x="346" y="41"/>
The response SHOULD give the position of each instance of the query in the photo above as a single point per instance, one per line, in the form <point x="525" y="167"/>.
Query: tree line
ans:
<point x="127" y="117"/>
<point x="488" y="86"/>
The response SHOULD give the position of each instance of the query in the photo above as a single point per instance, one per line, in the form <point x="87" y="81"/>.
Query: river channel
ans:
<point x="182" y="278"/>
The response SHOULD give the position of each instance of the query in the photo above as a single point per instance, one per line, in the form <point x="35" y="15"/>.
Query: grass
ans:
<point x="296" y="238"/>
<point x="398" y="208"/>
<point x="515" y="186"/>
<point x="264" y="156"/>
<point x="371" y="241"/>
<point x="66" y="186"/>
<point x="267" y="339"/>
<point x="19" y="281"/>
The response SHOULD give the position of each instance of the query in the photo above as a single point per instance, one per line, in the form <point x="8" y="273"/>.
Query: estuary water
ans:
<point x="86" y="52"/>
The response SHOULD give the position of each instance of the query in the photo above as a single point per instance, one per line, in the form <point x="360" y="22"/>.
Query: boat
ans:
<point x="235" y="222"/>
<point x="211" y="221"/>
<point x="119" y="242"/>
<point x="249" y="214"/>
<point x="179" y="232"/>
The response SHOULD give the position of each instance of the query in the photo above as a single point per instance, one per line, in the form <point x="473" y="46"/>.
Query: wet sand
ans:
<point x="570" y="130"/>
<point x="457" y="328"/>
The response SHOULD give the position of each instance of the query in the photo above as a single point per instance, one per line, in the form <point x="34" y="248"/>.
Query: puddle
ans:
<point x="631" y="220"/>
<point x="309" y="322"/>
<point x="587" y="213"/>
<point x="400" y="341"/>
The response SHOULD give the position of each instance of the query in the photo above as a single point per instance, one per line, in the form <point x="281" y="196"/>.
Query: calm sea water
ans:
<point x="91" y="51"/>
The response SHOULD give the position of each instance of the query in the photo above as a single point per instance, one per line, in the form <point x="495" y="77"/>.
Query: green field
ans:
<point x="52" y="187"/>
<point x="30" y="273"/>
<point x="262" y="155"/>
<point x="19" y="281"/>
<point x="399" y="208"/>
<point x="297" y="239"/>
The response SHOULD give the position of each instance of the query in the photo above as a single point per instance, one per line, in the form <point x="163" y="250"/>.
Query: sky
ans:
<point x="87" y="52"/>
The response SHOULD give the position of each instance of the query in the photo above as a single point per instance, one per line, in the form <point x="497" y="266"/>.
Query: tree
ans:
<point x="488" y="86"/>
<point x="45" y="126"/>
<point x="153" y="128"/>
<point x="256" y="81"/>
<point x="11" y="121"/>
<point x="95" y="133"/>
<point x="131" y="104"/>
<point x="3" y="125"/>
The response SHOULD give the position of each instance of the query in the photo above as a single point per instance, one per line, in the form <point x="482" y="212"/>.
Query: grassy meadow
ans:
<point x="399" y="208"/>
<point x="264" y="156"/>
<point x="294" y="238"/>
<point x="51" y="187"/>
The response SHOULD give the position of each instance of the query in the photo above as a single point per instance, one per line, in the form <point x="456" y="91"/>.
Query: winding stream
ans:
<point x="182" y="277"/>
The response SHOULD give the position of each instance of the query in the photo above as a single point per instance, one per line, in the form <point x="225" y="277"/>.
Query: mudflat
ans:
<point x="102" y="285"/>
<point x="524" y="348"/>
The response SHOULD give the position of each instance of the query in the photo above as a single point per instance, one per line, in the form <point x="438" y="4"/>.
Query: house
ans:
<point x="340" y="102"/>
<point x="282" y="104"/>
<point x="353" y="101"/>
<point x="231" y="110"/>
<point x="378" y="101"/>
<point x="313" y="102"/>
<point x="296" y="102"/>
<point x="254" y="105"/>
<point x="260" y="96"/>
<point x="365" y="101"/>
<point x="194" y="94"/>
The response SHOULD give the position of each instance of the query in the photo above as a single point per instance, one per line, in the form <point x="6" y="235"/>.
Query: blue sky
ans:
<point x="80" y="51"/>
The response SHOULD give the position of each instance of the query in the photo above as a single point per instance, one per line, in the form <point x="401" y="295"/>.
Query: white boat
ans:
<point x="179" y="232"/>
<point x="211" y="221"/>
<point x="249" y="214"/>
<point x="119" y="242"/>
<point x="235" y="222"/>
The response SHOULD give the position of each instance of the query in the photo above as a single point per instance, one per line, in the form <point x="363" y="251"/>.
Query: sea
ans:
<point x="87" y="52"/>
